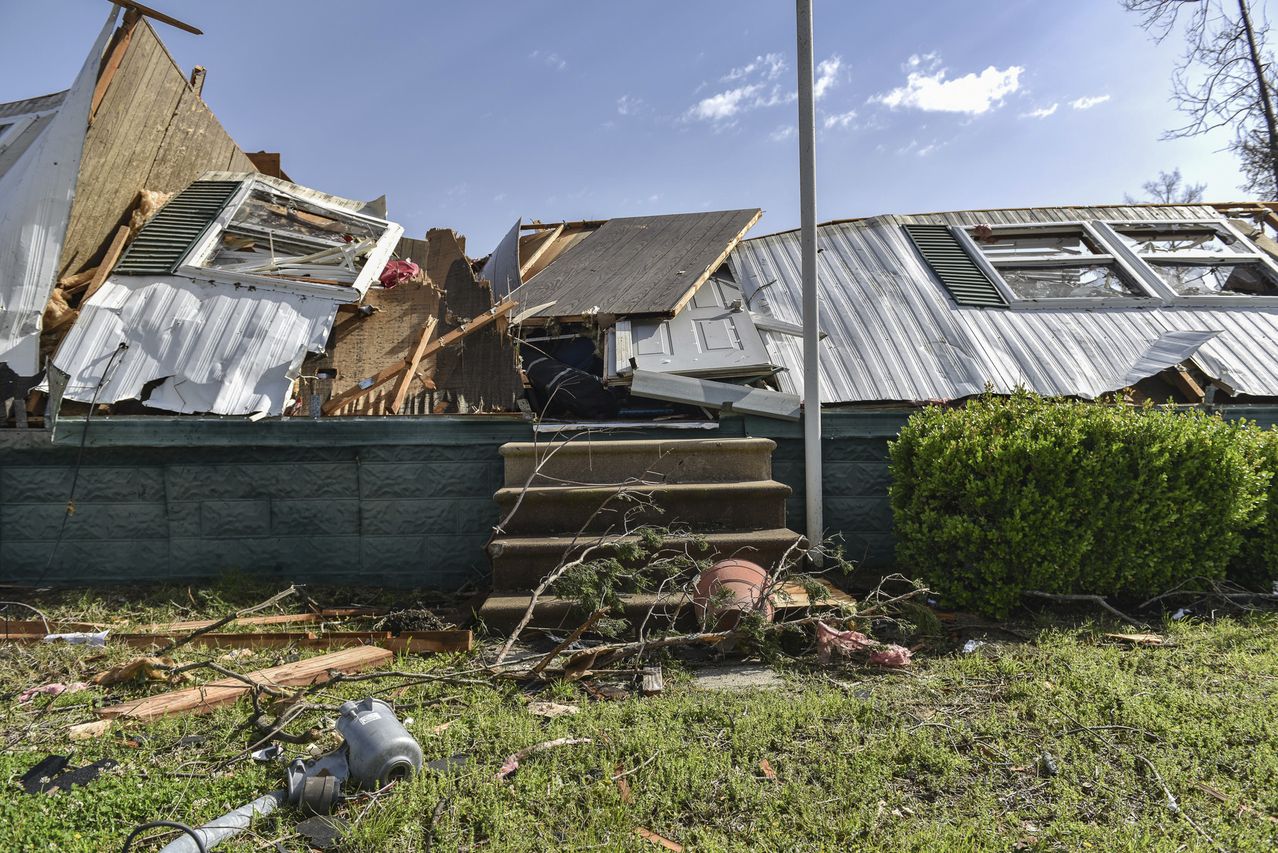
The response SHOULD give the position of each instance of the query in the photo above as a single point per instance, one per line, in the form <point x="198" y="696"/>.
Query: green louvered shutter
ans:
<point x="966" y="282"/>
<point x="164" y="241"/>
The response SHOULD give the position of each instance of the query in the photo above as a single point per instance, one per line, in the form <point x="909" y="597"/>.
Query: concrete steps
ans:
<point x="520" y="562"/>
<point x="720" y="490"/>
<point x="609" y="463"/>
<point x="753" y="505"/>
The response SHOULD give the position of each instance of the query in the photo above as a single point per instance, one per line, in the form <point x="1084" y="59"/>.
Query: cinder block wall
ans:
<point x="395" y="502"/>
<point x="392" y="514"/>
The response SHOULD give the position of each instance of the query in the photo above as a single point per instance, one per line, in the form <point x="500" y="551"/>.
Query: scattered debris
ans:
<point x="552" y="709"/>
<point x="741" y="676"/>
<point x="323" y="832"/>
<point x="659" y="840"/>
<point x="89" y="730"/>
<point x="55" y="688"/>
<point x="198" y="700"/>
<point x="653" y="683"/>
<point x="768" y="772"/>
<point x="511" y="764"/>
<point x="35" y="779"/>
<point x="1139" y="639"/>
<point x="79" y="638"/>
<point x="138" y="669"/>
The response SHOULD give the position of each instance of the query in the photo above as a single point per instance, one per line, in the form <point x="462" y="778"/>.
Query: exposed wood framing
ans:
<point x="388" y="373"/>
<point x="115" y="55"/>
<point x="108" y="263"/>
<point x="546" y="238"/>
<point x="406" y="378"/>
<point x="157" y="15"/>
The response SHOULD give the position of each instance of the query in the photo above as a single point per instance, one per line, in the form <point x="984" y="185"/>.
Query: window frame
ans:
<point x="1141" y="273"/>
<point x="1253" y="254"/>
<point x="991" y="266"/>
<point x="204" y="248"/>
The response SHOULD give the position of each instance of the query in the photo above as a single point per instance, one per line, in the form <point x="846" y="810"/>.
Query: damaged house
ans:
<point x="242" y="372"/>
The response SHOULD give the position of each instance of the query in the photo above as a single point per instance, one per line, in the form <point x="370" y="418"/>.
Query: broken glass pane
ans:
<point x="1251" y="279"/>
<point x="1067" y="282"/>
<point x="1044" y="243"/>
<point x="1147" y="241"/>
<point x="277" y="235"/>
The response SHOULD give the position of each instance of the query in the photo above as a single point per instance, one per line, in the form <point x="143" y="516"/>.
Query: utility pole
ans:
<point x="808" y="243"/>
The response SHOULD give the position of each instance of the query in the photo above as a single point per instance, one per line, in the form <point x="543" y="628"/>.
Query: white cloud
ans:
<point x="927" y="89"/>
<point x="840" y="120"/>
<point x="1041" y="112"/>
<point x="725" y="105"/>
<point x="627" y="105"/>
<point x="1089" y="102"/>
<point x="827" y="75"/>
<point x="552" y="59"/>
<point x="782" y="133"/>
<point x="770" y="66"/>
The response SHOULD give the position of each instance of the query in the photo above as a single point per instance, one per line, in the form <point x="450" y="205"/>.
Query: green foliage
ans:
<point x="1020" y="493"/>
<point x="1256" y="566"/>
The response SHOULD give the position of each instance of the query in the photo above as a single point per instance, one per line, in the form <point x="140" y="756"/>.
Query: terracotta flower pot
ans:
<point x="728" y="589"/>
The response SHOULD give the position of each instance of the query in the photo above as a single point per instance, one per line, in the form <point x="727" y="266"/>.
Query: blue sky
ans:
<point x="472" y="114"/>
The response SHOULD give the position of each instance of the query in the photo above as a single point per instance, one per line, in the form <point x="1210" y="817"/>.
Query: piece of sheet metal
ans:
<point x="502" y="266"/>
<point x="193" y="347"/>
<point x="895" y="335"/>
<point x="36" y="192"/>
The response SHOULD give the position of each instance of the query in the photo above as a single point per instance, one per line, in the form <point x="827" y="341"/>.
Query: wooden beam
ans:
<point x="197" y="79"/>
<point x="1185" y="383"/>
<point x="410" y="370"/>
<point x="108" y="263"/>
<point x="386" y="374"/>
<point x="119" y="46"/>
<point x="541" y="249"/>
<point x="156" y="15"/>
<point x="202" y="699"/>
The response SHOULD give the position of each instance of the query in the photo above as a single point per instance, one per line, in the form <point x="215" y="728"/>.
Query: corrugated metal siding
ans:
<point x="895" y="334"/>
<point x="35" y="203"/>
<point x="210" y="348"/>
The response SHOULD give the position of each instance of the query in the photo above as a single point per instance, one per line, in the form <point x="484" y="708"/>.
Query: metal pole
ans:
<point x="808" y="243"/>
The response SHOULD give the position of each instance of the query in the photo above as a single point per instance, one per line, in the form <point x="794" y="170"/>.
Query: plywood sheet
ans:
<point x="152" y="132"/>
<point x="643" y="265"/>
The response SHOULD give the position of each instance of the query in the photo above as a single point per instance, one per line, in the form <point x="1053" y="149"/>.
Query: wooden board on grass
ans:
<point x="206" y="697"/>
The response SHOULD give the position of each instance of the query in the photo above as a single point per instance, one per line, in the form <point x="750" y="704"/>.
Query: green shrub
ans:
<point x="1019" y="493"/>
<point x="1256" y="565"/>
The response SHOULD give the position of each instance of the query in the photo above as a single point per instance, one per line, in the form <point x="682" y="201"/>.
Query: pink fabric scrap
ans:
<point x="398" y="272"/>
<point x="891" y="655"/>
<point x="831" y="640"/>
<point x="54" y="689"/>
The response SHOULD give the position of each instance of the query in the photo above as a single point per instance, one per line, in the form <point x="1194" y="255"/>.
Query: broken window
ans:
<point x="277" y="234"/>
<point x="1053" y="262"/>
<point x="1200" y="259"/>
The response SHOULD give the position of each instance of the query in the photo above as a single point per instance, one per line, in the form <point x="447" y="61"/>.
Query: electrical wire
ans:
<point x="172" y="824"/>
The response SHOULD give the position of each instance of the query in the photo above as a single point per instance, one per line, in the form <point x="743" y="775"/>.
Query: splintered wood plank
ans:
<point x="197" y="624"/>
<point x="202" y="699"/>
<point x="406" y="378"/>
<point x="108" y="263"/>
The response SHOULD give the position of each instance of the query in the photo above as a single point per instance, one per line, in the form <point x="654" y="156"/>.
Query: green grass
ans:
<point x="945" y="756"/>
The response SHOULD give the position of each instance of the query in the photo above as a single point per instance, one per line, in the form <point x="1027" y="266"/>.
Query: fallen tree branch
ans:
<point x="569" y="640"/>
<point x="1075" y="598"/>
<point x="274" y="599"/>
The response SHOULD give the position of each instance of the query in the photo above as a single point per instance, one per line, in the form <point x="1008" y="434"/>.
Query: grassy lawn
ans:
<point x="948" y="755"/>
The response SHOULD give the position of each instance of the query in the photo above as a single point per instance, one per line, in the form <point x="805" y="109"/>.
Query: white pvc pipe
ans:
<point x="228" y="825"/>
<point x="812" y="484"/>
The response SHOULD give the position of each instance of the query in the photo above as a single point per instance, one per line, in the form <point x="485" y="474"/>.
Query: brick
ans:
<point x="101" y="521"/>
<point x="871" y="515"/>
<point x="214" y="555"/>
<point x="432" y="453"/>
<point x="476" y="516"/>
<point x="456" y="557"/>
<point x="394" y="555"/>
<point x="28" y="484"/>
<point x="235" y="518"/>
<point x="184" y="518"/>
<point x="260" y="480"/>
<point x="855" y="479"/>
<point x="872" y="550"/>
<point x="315" y="517"/>
<point x="407" y="517"/>
<point x="84" y="562"/>
<point x="854" y="450"/>
<point x="426" y="480"/>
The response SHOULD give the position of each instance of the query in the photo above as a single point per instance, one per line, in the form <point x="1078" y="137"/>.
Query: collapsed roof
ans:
<point x="1070" y="301"/>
